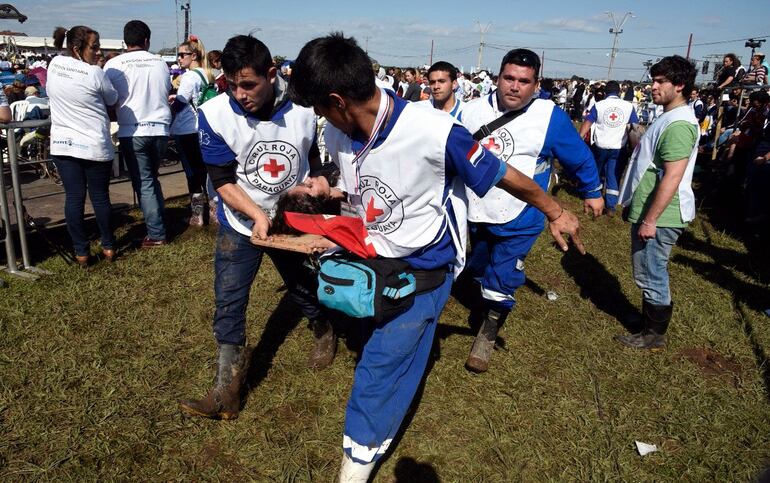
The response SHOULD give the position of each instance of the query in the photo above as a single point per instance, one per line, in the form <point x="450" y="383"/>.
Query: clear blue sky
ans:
<point x="574" y="35"/>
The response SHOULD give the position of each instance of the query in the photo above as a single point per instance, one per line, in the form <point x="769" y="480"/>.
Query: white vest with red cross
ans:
<point x="612" y="116"/>
<point x="272" y="155"/>
<point x="518" y="142"/>
<point x="399" y="189"/>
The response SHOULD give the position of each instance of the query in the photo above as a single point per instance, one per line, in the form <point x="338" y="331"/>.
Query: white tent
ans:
<point x="40" y="44"/>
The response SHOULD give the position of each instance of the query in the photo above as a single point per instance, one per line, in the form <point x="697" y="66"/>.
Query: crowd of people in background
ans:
<point x="732" y="111"/>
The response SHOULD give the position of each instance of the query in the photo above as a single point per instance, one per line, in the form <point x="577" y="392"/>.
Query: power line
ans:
<point x="625" y="50"/>
<point x="647" y="47"/>
<point x="590" y="65"/>
<point x="482" y="31"/>
<point x="436" y="54"/>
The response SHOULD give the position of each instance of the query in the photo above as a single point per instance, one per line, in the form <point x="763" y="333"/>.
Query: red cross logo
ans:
<point x="491" y="145"/>
<point x="613" y="117"/>
<point x="274" y="168"/>
<point x="371" y="212"/>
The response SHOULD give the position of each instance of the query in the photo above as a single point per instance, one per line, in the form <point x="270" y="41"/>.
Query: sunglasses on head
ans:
<point x="525" y="59"/>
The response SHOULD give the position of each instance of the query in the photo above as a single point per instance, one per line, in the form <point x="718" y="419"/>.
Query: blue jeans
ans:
<point x="725" y="136"/>
<point x="607" y="165"/>
<point x="79" y="175"/>
<point x="143" y="155"/>
<point x="192" y="162"/>
<point x="650" y="263"/>
<point x="236" y="263"/>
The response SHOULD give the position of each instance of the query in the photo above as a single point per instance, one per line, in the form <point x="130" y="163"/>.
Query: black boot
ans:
<point x="656" y="319"/>
<point x="325" y="346"/>
<point x="223" y="401"/>
<point x="481" y="352"/>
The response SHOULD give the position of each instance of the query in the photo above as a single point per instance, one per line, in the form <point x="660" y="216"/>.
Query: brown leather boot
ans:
<point x="108" y="254"/>
<point x="83" y="260"/>
<point x="224" y="400"/>
<point x="325" y="346"/>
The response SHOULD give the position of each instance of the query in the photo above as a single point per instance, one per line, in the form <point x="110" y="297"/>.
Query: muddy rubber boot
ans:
<point x="213" y="220"/>
<point x="325" y="346"/>
<point x="224" y="400"/>
<point x="632" y="340"/>
<point x="652" y="338"/>
<point x="481" y="352"/>
<point x="197" y="208"/>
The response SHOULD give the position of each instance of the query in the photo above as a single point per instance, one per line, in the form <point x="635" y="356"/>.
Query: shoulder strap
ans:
<point x="203" y="78"/>
<point x="507" y="117"/>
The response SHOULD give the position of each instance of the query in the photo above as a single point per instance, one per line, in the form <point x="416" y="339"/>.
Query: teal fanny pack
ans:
<point x="378" y="288"/>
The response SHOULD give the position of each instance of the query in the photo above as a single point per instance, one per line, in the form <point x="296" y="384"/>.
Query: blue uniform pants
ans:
<point x="498" y="262"/>
<point x="388" y="376"/>
<point x="610" y="172"/>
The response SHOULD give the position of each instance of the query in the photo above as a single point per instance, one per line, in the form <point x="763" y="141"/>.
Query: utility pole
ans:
<point x="366" y="43"/>
<point x="647" y="64"/>
<point x="542" y="65"/>
<point x="615" y="30"/>
<point x="186" y="9"/>
<point x="430" y="62"/>
<point x="689" y="46"/>
<point x="482" y="31"/>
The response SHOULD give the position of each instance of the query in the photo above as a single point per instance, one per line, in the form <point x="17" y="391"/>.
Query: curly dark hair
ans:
<point x="678" y="70"/>
<point x="301" y="203"/>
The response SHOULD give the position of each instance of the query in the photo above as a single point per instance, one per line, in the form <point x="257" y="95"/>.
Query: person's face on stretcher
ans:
<point x="312" y="186"/>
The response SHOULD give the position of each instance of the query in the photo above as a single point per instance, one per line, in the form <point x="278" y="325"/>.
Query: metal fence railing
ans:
<point x="26" y="269"/>
<point x="29" y="150"/>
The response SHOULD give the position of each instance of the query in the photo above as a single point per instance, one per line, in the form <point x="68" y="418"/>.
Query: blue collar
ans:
<point x="455" y="106"/>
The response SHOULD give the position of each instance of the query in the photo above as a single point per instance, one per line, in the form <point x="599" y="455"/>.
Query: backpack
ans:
<point x="209" y="90"/>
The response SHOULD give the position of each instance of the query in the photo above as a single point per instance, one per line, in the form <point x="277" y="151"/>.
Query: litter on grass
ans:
<point x="645" y="448"/>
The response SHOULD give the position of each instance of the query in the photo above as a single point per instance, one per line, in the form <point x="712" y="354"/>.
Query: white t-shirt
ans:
<point x="186" y="120"/>
<point x="79" y="94"/>
<point x="143" y="83"/>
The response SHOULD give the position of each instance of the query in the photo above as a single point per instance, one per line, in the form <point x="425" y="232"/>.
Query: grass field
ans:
<point x="92" y="364"/>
